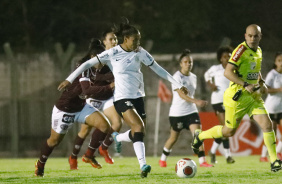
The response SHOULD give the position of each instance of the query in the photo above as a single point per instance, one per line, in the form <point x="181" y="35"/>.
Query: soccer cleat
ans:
<point x="205" y="164"/>
<point x="162" y="163"/>
<point x="213" y="158"/>
<point x="145" y="170"/>
<point x="279" y="155"/>
<point x="117" y="144"/>
<point x="196" y="143"/>
<point x="106" y="155"/>
<point x="91" y="161"/>
<point x="263" y="159"/>
<point x="73" y="163"/>
<point x="276" y="165"/>
<point x="230" y="160"/>
<point x="39" y="171"/>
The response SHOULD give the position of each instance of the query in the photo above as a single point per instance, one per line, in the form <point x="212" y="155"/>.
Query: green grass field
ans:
<point x="126" y="170"/>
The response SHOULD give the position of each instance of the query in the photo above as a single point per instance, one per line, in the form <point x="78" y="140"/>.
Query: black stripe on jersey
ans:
<point x="99" y="60"/>
<point x="151" y="63"/>
<point x="232" y="64"/>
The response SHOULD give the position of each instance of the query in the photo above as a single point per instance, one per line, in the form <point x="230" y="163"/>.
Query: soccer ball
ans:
<point x="186" y="168"/>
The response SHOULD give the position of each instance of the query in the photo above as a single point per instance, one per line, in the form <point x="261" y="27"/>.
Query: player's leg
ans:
<point x="269" y="139"/>
<point x="82" y="134"/>
<point x="168" y="146"/>
<point x="201" y="153"/>
<point x="115" y="120"/>
<point x="279" y="145"/>
<point x="100" y="122"/>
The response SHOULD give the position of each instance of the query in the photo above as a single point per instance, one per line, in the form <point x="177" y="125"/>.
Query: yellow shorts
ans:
<point x="247" y="104"/>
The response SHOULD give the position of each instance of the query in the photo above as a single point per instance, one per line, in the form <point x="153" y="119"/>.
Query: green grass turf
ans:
<point x="126" y="170"/>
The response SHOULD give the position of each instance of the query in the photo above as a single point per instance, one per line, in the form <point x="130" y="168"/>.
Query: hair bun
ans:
<point x="94" y="43"/>
<point x="186" y="51"/>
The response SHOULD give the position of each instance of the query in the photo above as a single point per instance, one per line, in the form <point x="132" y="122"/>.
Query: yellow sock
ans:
<point x="270" y="143"/>
<point x="214" y="132"/>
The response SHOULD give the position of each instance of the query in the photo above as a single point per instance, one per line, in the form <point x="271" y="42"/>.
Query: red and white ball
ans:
<point x="186" y="168"/>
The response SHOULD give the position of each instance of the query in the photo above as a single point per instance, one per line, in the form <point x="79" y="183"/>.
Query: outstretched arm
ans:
<point x="77" y="72"/>
<point x="165" y="75"/>
<point x="200" y="103"/>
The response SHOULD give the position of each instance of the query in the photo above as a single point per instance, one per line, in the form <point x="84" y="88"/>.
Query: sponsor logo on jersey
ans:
<point x="104" y="56"/>
<point x="115" y="51"/>
<point x="149" y="57"/>
<point x="238" y="53"/>
<point x="253" y="65"/>
<point x="68" y="118"/>
<point x="252" y="76"/>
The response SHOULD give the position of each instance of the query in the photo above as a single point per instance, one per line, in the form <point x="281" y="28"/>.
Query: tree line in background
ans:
<point x="32" y="25"/>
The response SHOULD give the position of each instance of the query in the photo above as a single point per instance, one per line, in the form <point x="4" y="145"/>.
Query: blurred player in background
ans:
<point x="125" y="62"/>
<point x="273" y="102"/>
<point x="71" y="107"/>
<point x="218" y="83"/>
<point x="102" y="86"/>
<point x="183" y="112"/>
<point x="243" y="71"/>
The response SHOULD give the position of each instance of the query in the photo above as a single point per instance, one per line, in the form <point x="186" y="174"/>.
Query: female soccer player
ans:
<point x="218" y="83"/>
<point x="183" y="112"/>
<point x="71" y="107"/>
<point x="102" y="81"/>
<point x="125" y="62"/>
<point x="273" y="102"/>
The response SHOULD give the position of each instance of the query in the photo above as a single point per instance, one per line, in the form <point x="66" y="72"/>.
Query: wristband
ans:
<point x="245" y="84"/>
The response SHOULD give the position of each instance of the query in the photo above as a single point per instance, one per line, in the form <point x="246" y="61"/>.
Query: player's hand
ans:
<point x="213" y="87"/>
<point x="201" y="103"/>
<point x="250" y="88"/>
<point x="63" y="86"/>
<point x="184" y="90"/>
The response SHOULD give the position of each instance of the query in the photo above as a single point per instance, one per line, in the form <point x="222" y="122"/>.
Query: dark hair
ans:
<point x="186" y="52"/>
<point x="125" y="29"/>
<point x="95" y="47"/>
<point x="107" y="31"/>
<point x="276" y="55"/>
<point x="222" y="50"/>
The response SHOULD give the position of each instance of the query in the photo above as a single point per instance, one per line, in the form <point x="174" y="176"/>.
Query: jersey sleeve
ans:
<point x="208" y="74"/>
<point x="146" y="58"/>
<point x="269" y="79"/>
<point x="235" y="58"/>
<point x="104" y="57"/>
<point x="177" y="79"/>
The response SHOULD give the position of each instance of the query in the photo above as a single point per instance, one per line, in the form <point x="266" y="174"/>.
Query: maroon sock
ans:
<point x="45" y="152"/>
<point x="77" y="146"/>
<point x="108" y="140"/>
<point x="96" y="139"/>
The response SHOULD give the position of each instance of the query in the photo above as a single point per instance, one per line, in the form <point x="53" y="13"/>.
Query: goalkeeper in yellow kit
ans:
<point x="243" y="97"/>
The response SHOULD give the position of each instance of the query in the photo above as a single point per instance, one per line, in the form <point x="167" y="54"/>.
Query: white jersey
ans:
<point x="273" y="102"/>
<point x="126" y="68"/>
<point x="179" y="106"/>
<point x="215" y="74"/>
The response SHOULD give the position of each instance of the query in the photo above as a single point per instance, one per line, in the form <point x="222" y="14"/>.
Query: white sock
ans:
<point x="123" y="137"/>
<point x="279" y="147"/>
<point x="202" y="159"/>
<point x="214" y="147"/>
<point x="164" y="157"/>
<point x="263" y="151"/>
<point x="227" y="153"/>
<point x="139" y="149"/>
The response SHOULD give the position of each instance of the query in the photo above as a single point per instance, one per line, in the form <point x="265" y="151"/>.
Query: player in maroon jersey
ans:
<point x="102" y="81"/>
<point x="71" y="107"/>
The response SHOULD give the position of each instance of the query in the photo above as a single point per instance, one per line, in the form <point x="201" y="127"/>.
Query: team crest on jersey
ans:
<point x="238" y="53"/>
<point x="253" y="65"/>
<point x="115" y="51"/>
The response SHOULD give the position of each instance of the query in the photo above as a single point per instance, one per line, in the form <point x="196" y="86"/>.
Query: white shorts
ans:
<point x="101" y="105"/>
<point x="63" y="121"/>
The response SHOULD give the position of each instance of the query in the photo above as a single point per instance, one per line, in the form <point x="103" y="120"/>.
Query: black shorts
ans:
<point x="181" y="122"/>
<point x="218" y="107"/>
<point x="276" y="117"/>
<point x="124" y="104"/>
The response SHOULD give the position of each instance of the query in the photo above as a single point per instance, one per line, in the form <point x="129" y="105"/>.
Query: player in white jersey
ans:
<point x="183" y="112"/>
<point x="218" y="83"/>
<point x="125" y="62"/>
<point x="273" y="102"/>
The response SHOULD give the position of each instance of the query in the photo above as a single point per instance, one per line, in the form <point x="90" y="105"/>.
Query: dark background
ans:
<point x="33" y="25"/>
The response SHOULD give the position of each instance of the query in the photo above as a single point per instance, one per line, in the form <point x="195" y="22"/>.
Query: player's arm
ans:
<point x="91" y="62"/>
<point x="208" y="80"/>
<point x="229" y="74"/>
<point x="200" y="103"/>
<point x="97" y="92"/>
<point x="165" y="75"/>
